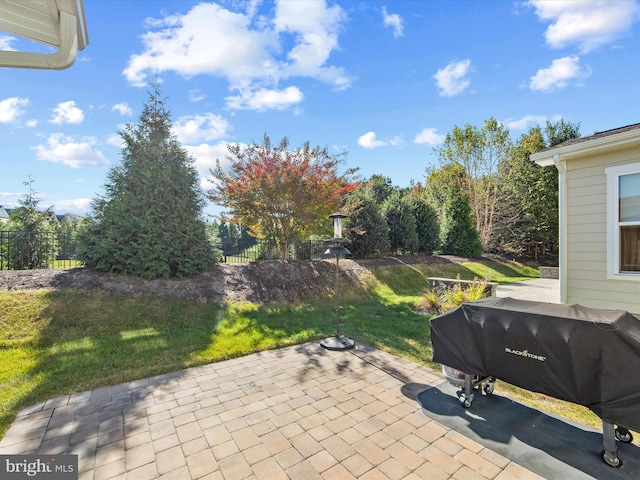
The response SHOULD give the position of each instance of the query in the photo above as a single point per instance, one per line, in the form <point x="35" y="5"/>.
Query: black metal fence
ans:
<point x="21" y="250"/>
<point x="263" y="250"/>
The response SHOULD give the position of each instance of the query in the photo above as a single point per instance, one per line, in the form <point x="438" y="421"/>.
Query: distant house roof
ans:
<point x="68" y="216"/>
<point x="58" y="23"/>
<point x="616" y="138"/>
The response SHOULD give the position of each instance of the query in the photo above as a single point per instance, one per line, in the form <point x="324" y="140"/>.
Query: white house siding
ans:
<point x="586" y="231"/>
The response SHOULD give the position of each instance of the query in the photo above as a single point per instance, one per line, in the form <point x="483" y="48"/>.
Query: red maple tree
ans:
<point x="281" y="195"/>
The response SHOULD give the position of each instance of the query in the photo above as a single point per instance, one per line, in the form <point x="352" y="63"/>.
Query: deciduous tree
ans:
<point x="281" y="194"/>
<point x="529" y="194"/>
<point x="479" y="151"/>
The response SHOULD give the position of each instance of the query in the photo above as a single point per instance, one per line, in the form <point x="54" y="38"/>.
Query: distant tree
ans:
<point x="281" y="195"/>
<point x="427" y="222"/>
<point x="32" y="243"/>
<point x="458" y="231"/>
<point x="67" y="229"/>
<point x="441" y="181"/>
<point x="234" y="237"/>
<point x="560" y="131"/>
<point x="479" y="151"/>
<point x="398" y="212"/>
<point x="379" y="187"/>
<point x="529" y="193"/>
<point x="149" y="223"/>
<point x="365" y="226"/>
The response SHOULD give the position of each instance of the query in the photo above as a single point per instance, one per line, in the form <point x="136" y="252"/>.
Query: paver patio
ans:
<point x="300" y="412"/>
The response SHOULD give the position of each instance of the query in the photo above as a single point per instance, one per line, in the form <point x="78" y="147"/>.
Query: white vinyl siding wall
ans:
<point x="586" y="231"/>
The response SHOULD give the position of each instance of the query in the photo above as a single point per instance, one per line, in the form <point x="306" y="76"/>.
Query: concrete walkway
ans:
<point x="295" y="413"/>
<point x="540" y="290"/>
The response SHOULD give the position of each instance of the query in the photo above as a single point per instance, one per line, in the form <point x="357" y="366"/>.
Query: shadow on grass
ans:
<point x="91" y="340"/>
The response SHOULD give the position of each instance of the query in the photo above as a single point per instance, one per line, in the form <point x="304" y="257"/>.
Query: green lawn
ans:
<point x="59" y="342"/>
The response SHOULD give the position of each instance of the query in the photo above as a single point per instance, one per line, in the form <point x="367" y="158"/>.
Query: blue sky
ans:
<point x="383" y="80"/>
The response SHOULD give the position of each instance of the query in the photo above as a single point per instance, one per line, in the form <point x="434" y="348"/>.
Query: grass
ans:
<point x="56" y="343"/>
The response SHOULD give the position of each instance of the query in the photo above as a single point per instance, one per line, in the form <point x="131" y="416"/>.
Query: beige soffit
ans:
<point x="610" y="140"/>
<point x="58" y="23"/>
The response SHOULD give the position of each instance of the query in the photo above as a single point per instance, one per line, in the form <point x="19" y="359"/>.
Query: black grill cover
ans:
<point x="583" y="355"/>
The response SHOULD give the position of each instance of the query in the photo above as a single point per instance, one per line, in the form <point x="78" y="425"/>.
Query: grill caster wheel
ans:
<point x="623" y="435"/>
<point x="614" y="462"/>
<point x="466" y="401"/>
<point x="488" y="388"/>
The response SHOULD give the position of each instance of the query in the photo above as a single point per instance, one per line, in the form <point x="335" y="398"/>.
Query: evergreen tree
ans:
<point x="149" y="221"/>
<point x="366" y="227"/>
<point x="32" y="244"/>
<point x="458" y="232"/>
<point x="398" y="213"/>
<point x="379" y="187"/>
<point x="427" y="224"/>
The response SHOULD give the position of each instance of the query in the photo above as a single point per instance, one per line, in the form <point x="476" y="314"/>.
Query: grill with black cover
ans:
<point x="579" y="354"/>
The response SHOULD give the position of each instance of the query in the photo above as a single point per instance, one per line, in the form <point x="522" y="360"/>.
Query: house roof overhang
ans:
<point x="619" y="138"/>
<point x="58" y="23"/>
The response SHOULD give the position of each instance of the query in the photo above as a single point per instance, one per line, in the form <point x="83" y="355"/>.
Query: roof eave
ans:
<point x="617" y="141"/>
<point x="67" y="19"/>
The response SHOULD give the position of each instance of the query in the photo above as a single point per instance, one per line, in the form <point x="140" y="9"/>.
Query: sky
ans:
<point x="383" y="81"/>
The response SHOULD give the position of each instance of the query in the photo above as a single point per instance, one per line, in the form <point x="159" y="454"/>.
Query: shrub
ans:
<point x="447" y="298"/>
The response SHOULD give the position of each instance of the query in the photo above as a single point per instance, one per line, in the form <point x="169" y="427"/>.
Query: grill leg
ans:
<point x="467" y="396"/>
<point x="610" y="452"/>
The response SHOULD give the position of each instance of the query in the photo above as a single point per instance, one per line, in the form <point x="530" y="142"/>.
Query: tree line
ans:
<point x="484" y="195"/>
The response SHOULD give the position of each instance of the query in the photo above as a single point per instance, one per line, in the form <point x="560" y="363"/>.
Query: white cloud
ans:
<point x="264" y="99"/>
<point x="63" y="149"/>
<point x="588" y="24"/>
<point x="429" y="136"/>
<point x="195" y="95"/>
<point x="206" y="155"/>
<point x="194" y="128"/>
<point x="452" y="79"/>
<point x="67" y="112"/>
<point x="32" y="123"/>
<point x="9" y="195"/>
<point x="77" y="206"/>
<point x="394" y="21"/>
<point x="369" y="141"/>
<point x="207" y="40"/>
<point x="313" y="28"/>
<point x="559" y="74"/>
<point x="5" y="43"/>
<point x="251" y="53"/>
<point x="123" y="109"/>
<point x="115" y="140"/>
<point x="11" y="108"/>
<point x="524" y="122"/>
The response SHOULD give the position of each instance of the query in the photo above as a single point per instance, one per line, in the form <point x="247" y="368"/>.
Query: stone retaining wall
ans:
<point x="436" y="283"/>
<point x="549" y="272"/>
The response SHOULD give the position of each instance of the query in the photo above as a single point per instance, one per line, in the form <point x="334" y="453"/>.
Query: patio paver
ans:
<point x="299" y="412"/>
